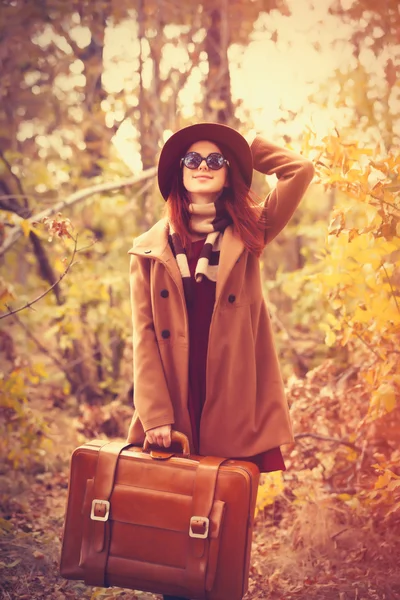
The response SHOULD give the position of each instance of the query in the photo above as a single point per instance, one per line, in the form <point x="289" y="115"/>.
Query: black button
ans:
<point x="165" y="334"/>
<point x="231" y="298"/>
<point x="164" y="293"/>
<point x="147" y="251"/>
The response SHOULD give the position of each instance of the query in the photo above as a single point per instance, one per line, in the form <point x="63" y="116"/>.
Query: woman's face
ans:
<point x="204" y="184"/>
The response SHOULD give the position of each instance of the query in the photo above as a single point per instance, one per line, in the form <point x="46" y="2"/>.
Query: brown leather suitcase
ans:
<point x="159" y="521"/>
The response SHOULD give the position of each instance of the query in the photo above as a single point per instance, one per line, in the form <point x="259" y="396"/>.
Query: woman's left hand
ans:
<point x="159" y="435"/>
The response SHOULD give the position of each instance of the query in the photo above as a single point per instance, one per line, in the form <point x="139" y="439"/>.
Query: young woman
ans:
<point x="205" y="363"/>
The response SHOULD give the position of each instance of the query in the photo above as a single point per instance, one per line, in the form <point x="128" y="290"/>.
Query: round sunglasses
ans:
<point x="214" y="161"/>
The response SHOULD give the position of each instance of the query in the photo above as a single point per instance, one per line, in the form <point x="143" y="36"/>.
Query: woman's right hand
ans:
<point x="159" y="435"/>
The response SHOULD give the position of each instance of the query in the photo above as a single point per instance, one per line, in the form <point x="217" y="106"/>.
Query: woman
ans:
<point x="204" y="357"/>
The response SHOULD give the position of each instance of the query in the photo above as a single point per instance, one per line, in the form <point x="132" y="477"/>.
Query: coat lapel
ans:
<point x="231" y="249"/>
<point x="154" y="244"/>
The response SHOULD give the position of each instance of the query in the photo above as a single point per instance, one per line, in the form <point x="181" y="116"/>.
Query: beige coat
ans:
<point x="245" y="410"/>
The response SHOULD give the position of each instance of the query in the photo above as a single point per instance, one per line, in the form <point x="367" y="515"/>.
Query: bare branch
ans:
<point x="391" y="287"/>
<point x="74" y="199"/>
<point x="360" y="337"/>
<point x="326" y="438"/>
<point x="32" y="302"/>
<point x="381" y="201"/>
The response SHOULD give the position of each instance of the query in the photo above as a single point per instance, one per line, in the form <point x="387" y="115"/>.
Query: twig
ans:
<point x="29" y="304"/>
<point x="335" y="535"/>
<point x="391" y="287"/>
<point x="384" y="202"/>
<point x="74" y="199"/>
<point x="326" y="438"/>
<point x="360" y="461"/>
<point x="363" y="341"/>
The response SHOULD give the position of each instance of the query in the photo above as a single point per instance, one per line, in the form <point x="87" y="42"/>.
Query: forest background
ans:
<point x="90" y="90"/>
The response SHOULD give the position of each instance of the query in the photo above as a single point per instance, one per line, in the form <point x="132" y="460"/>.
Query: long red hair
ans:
<point x="248" y="216"/>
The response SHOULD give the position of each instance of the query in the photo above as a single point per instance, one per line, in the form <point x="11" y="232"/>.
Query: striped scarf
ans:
<point x="212" y="220"/>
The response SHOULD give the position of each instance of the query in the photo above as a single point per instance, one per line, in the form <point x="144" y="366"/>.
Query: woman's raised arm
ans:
<point x="294" y="173"/>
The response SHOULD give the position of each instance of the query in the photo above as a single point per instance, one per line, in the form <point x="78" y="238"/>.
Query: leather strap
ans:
<point x="95" y="566"/>
<point x="99" y="543"/>
<point x="203" y="498"/>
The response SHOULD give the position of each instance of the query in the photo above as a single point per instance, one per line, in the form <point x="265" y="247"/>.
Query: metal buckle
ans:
<point x="104" y="503"/>
<point x="202" y="521"/>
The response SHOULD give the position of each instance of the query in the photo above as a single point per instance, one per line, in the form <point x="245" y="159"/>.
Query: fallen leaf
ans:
<point x="13" y="564"/>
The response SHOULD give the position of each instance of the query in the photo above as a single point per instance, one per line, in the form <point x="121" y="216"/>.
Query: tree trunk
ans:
<point x="218" y="101"/>
<point x="97" y="136"/>
<point x="150" y="124"/>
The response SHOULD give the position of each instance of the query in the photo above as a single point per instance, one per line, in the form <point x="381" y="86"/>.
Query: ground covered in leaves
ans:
<point x="316" y="551"/>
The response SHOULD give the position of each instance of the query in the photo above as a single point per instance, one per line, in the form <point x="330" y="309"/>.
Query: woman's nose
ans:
<point x="203" y="164"/>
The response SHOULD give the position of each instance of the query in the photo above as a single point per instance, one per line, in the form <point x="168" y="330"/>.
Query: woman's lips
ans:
<point x="203" y="177"/>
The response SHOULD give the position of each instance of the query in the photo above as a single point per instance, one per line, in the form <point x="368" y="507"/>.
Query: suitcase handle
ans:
<point x="176" y="436"/>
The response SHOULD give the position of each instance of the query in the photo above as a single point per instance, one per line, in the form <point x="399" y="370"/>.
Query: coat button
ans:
<point x="147" y="251"/>
<point x="165" y="334"/>
<point x="231" y="298"/>
<point x="164" y="293"/>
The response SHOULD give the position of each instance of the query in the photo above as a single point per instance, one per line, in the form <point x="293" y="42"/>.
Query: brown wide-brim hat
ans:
<point x="176" y="146"/>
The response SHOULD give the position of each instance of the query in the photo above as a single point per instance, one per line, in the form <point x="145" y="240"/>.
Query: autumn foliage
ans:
<point x="328" y="528"/>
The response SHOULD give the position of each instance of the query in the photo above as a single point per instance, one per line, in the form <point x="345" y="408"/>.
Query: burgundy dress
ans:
<point x="199" y="325"/>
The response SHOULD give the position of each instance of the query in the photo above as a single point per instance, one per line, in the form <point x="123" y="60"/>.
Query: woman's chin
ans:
<point x="203" y="190"/>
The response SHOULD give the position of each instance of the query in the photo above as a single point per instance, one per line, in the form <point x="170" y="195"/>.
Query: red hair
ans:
<point x="242" y="205"/>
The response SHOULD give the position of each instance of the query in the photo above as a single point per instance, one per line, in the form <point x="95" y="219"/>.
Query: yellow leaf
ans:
<point x="389" y="401"/>
<point x="217" y="104"/>
<point x="6" y="296"/>
<point x="346" y="336"/>
<point x="269" y="490"/>
<point x="337" y="303"/>
<point x="371" y="212"/>
<point x="387" y="367"/>
<point x="331" y="279"/>
<point x="26" y="227"/>
<point x="332" y="320"/>
<point x="330" y="336"/>
<point x="384" y="397"/>
<point x="40" y="370"/>
<point x="383" y="480"/>
<point x="369" y="377"/>
<point x="393" y="485"/>
<point x="362" y="315"/>
<point x="354" y="175"/>
<point x="5" y="525"/>
<point x="344" y="497"/>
